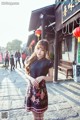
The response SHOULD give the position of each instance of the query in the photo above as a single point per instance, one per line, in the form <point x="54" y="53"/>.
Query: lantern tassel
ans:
<point x="79" y="39"/>
<point x="38" y="38"/>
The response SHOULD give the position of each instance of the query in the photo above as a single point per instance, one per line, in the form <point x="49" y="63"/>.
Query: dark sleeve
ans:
<point x="50" y="64"/>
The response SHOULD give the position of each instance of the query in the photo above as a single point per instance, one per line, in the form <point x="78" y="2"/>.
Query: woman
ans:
<point x="39" y="69"/>
<point x="6" y="60"/>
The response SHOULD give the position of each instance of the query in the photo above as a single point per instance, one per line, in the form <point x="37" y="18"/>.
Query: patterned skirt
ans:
<point x="36" y="99"/>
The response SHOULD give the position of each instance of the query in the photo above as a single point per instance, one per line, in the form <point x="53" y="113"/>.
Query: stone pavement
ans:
<point x="64" y="98"/>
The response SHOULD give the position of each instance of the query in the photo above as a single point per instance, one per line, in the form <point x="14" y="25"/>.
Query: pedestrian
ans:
<point x="17" y="58"/>
<point x="6" y="60"/>
<point x="39" y="69"/>
<point x="1" y="57"/>
<point x="12" y="62"/>
<point x="23" y="58"/>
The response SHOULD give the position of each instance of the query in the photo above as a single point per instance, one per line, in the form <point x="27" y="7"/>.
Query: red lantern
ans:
<point x="38" y="33"/>
<point x="76" y="32"/>
<point x="32" y="43"/>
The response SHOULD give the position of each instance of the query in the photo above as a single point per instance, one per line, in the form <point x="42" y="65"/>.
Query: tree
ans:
<point x="9" y="46"/>
<point x="14" y="45"/>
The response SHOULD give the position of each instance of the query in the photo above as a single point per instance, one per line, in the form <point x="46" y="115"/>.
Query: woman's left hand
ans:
<point x="39" y="79"/>
<point x="35" y="83"/>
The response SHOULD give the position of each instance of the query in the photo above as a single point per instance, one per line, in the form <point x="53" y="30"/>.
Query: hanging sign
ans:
<point x="69" y="8"/>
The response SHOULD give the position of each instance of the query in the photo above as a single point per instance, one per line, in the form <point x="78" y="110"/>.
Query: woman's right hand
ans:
<point x="35" y="83"/>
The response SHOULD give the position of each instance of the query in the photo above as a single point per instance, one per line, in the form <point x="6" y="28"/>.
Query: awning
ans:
<point x="35" y="21"/>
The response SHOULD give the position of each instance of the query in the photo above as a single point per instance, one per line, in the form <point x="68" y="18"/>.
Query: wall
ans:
<point x="69" y="55"/>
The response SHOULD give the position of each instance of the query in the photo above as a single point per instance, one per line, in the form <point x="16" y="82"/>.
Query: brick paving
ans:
<point x="64" y="98"/>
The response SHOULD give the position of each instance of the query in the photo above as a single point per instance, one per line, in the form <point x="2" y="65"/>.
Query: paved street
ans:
<point x="64" y="98"/>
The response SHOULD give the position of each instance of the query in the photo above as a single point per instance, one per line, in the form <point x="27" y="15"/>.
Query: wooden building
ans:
<point x="67" y="14"/>
<point x="43" y="19"/>
<point x="58" y="22"/>
<point x="67" y="19"/>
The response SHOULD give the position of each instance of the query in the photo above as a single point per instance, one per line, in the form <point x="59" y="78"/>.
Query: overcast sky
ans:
<point x="14" y="18"/>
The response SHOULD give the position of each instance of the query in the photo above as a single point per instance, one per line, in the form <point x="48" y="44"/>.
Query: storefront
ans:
<point x="67" y="19"/>
<point x="57" y="23"/>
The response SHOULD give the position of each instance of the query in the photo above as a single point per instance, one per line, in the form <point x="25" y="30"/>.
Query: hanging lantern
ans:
<point x="76" y="33"/>
<point x="32" y="43"/>
<point x="38" y="33"/>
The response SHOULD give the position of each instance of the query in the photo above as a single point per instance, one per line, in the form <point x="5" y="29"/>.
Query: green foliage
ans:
<point x="9" y="46"/>
<point x="14" y="45"/>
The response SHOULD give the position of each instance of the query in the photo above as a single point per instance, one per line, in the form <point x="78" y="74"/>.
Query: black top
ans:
<point x="40" y="67"/>
<point x="12" y="61"/>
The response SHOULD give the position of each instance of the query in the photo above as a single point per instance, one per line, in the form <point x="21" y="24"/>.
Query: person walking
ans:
<point x="17" y="58"/>
<point x="12" y="62"/>
<point x="39" y="69"/>
<point x="23" y="58"/>
<point x="6" y="60"/>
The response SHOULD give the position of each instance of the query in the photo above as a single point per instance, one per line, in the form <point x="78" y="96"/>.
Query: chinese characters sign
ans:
<point x="69" y="9"/>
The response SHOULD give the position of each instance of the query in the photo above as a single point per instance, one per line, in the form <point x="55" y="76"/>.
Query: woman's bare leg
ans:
<point x="38" y="116"/>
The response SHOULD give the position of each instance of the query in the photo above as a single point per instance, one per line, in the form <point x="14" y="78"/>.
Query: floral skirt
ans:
<point x="36" y="99"/>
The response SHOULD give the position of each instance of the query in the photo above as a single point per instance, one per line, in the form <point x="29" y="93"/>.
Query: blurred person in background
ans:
<point x="23" y="58"/>
<point x="17" y="58"/>
<point x="7" y="59"/>
<point x="12" y="62"/>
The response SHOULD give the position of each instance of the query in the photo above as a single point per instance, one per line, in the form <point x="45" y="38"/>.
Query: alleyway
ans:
<point x="64" y="98"/>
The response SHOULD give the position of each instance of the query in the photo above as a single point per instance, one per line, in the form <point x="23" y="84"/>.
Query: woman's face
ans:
<point x="40" y="52"/>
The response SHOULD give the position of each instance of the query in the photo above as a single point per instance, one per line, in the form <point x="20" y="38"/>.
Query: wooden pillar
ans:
<point x="42" y="17"/>
<point x="55" y="58"/>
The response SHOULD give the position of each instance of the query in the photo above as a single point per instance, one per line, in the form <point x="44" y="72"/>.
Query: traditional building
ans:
<point x="44" y="20"/>
<point x="67" y="19"/>
<point x="57" y="23"/>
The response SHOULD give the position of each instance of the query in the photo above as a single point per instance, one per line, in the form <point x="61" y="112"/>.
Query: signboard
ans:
<point x="69" y="8"/>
